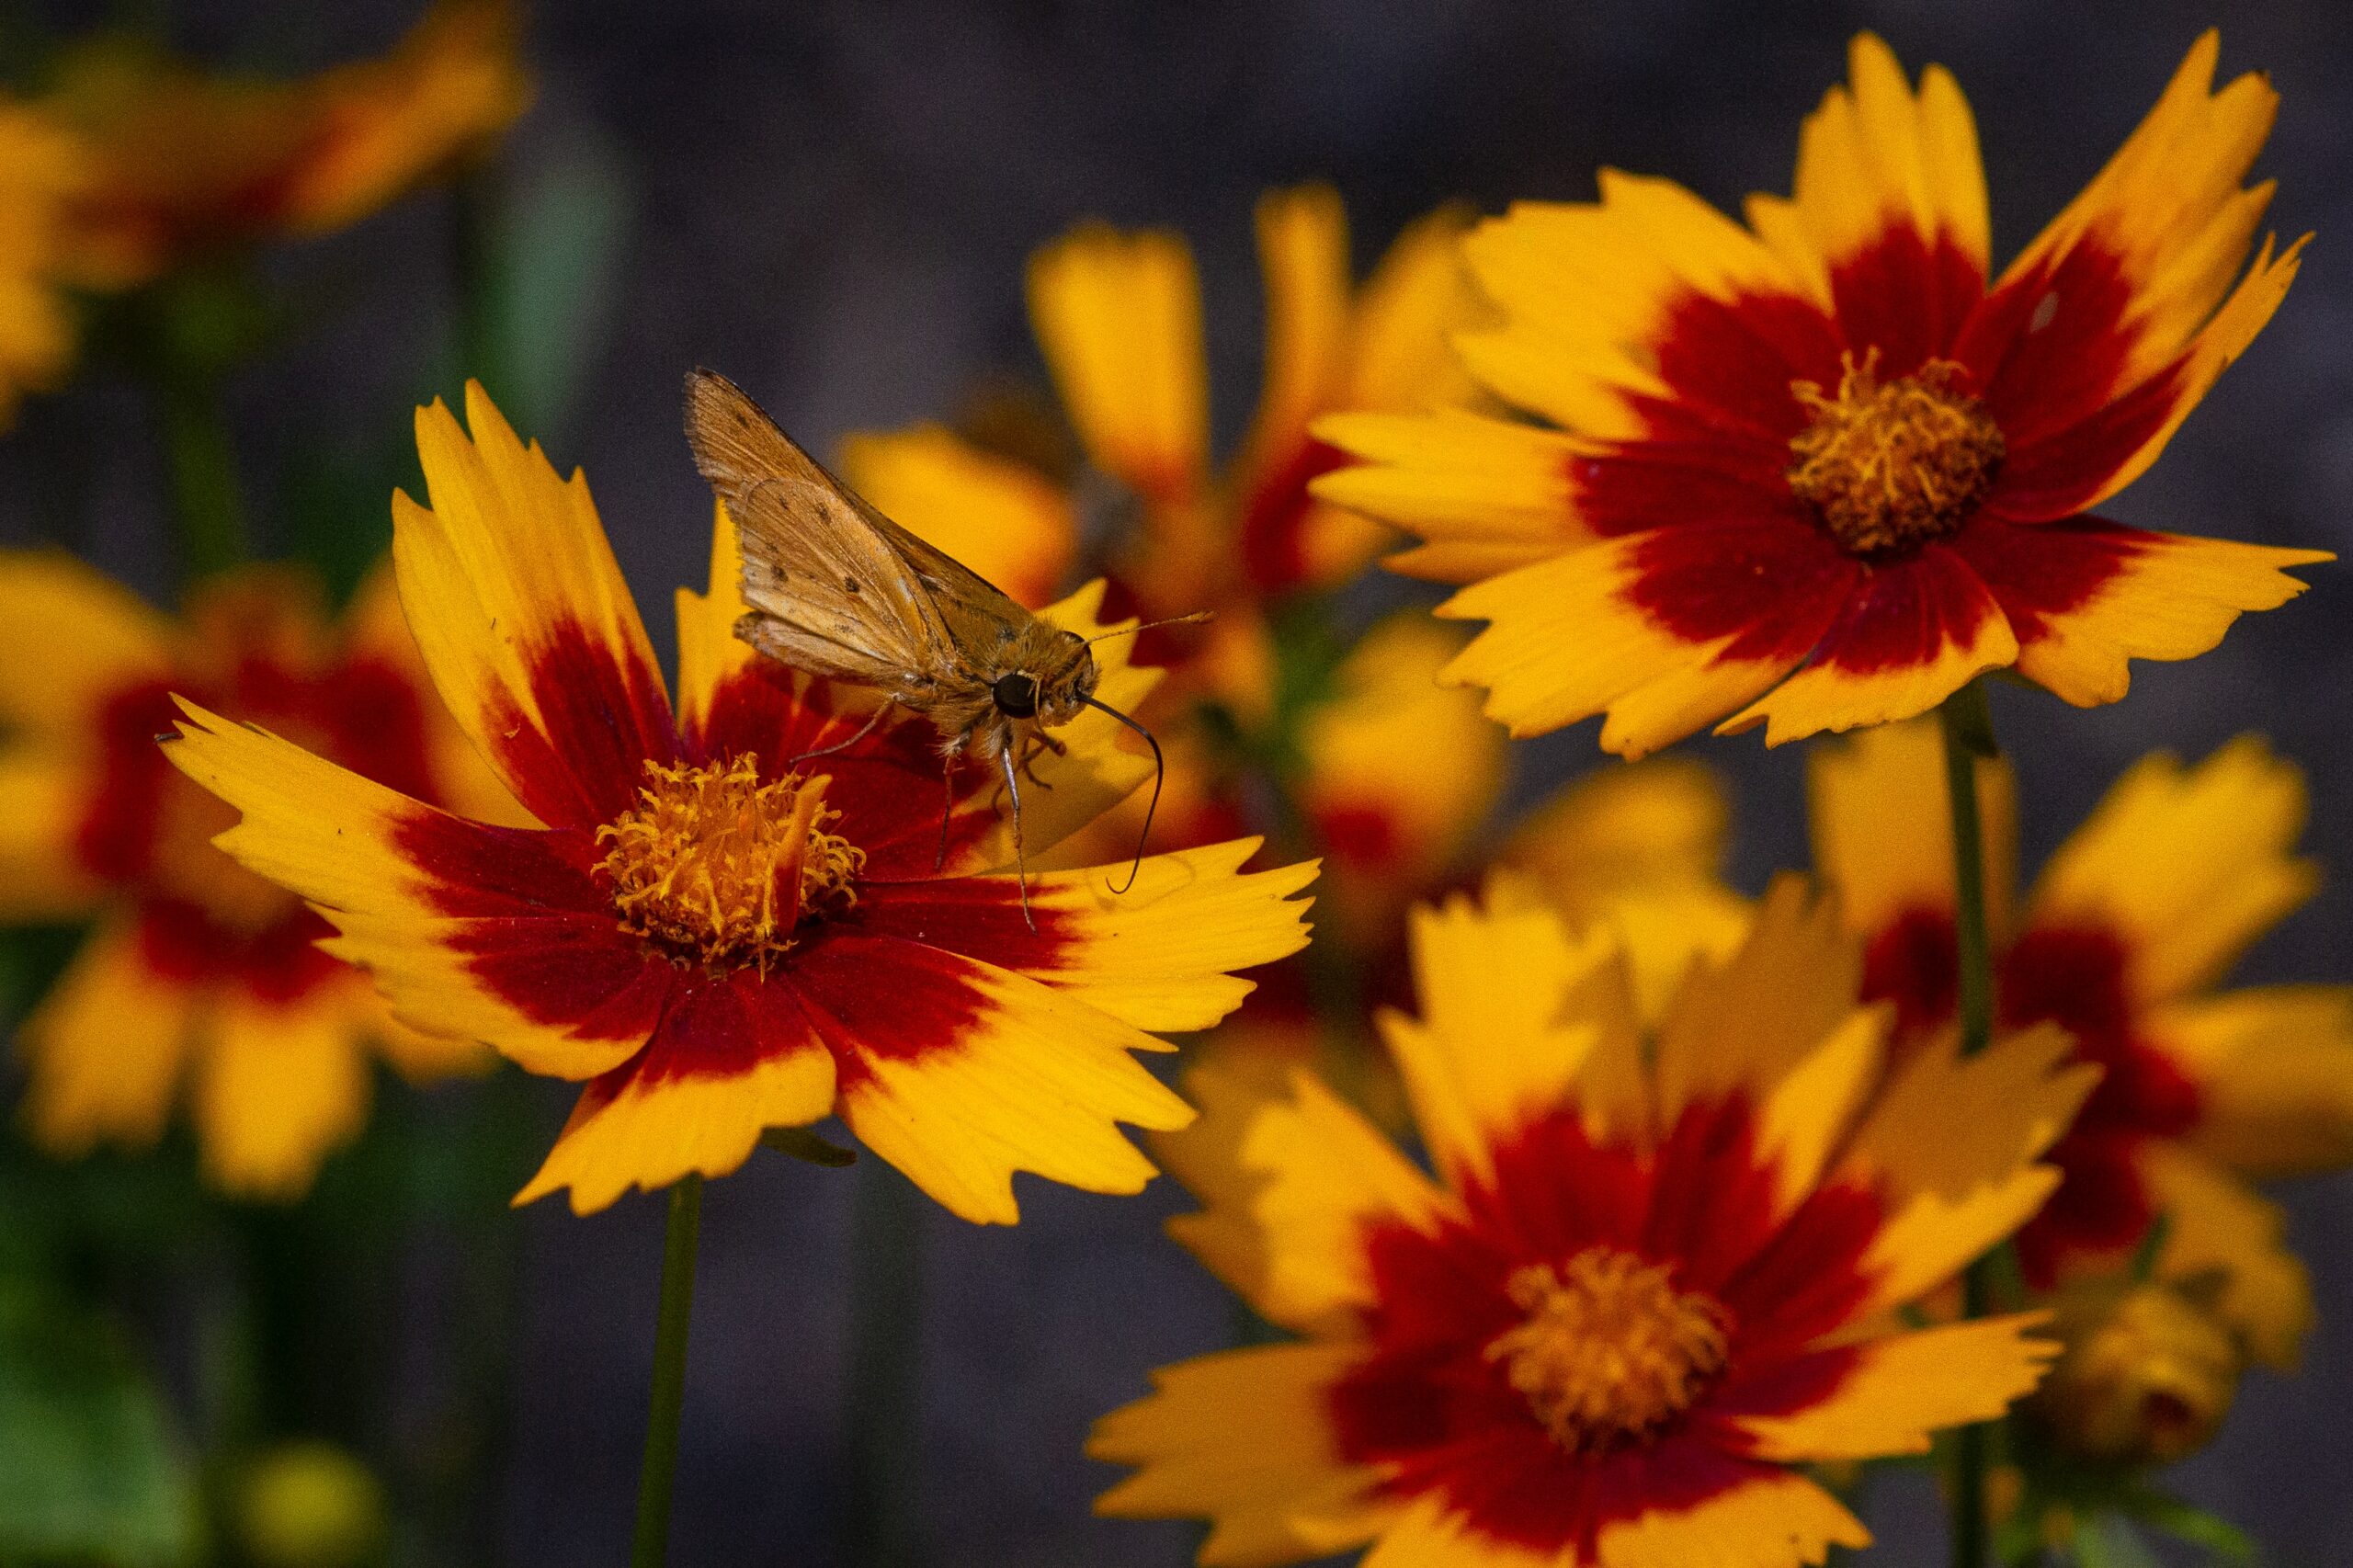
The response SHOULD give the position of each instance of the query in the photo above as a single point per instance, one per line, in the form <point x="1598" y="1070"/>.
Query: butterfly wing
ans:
<point x="828" y="590"/>
<point x="979" y="618"/>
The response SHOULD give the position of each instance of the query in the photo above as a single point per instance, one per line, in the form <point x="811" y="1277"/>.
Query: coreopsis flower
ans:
<point x="1654" y="1276"/>
<point x="1813" y="472"/>
<point x="199" y="979"/>
<point x="1119" y="316"/>
<point x="750" y="910"/>
<point x="43" y="170"/>
<point x="2122" y="941"/>
<point x="188" y="163"/>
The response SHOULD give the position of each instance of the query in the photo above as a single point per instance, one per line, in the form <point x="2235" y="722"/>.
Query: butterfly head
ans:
<point x="1051" y="686"/>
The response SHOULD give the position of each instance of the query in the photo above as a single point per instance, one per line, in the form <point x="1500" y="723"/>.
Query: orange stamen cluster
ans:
<point x="718" y="867"/>
<point x="1887" y="464"/>
<point x="1610" y="1351"/>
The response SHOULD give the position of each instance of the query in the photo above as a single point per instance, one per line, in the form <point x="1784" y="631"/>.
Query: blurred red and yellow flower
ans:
<point x="1813" y="472"/>
<point x="1119" y="316"/>
<point x="1656" y="1274"/>
<point x="200" y="977"/>
<point x="716" y="942"/>
<point x="188" y="162"/>
<point x="2121" y="942"/>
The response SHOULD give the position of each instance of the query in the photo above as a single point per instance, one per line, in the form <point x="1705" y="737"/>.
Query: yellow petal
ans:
<point x="2274" y="1071"/>
<point x="333" y="839"/>
<point x="44" y="797"/>
<point x="1775" y="1520"/>
<point x="70" y="639"/>
<point x="1485" y="494"/>
<point x="1392" y="829"/>
<point x="1737" y="1029"/>
<point x="1243" y="1439"/>
<point x="448" y="87"/>
<point x="1566" y="643"/>
<point x="2186" y="866"/>
<point x="107" y="1047"/>
<point x="1900" y="1389"/>
<point x="1159" y="954"/>
<point x="1292" y="1179"/>
<point x="1949" y="1146"/>
<point x="1037" y="1081"/>
<point x="1484" y="1059"/>
<point x="2171" y="597"/>
<point x="277" y="1088"/>
<point x="1882" y="825"/>
<point x="649" y="1129"/>
<point x="1877" y="158"/>
<point x="1119" y="316"/>
<point x="513" y="593"/>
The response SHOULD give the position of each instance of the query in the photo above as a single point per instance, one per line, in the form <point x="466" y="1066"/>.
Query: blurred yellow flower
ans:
<point x="43" y="171"/>
<point x="188" y="163"/>
<point x="1119" y="316"/>
<point x="309" y="1504"/>
<point x="1656" y="1275"/>
<point x="199" y="977"/>
<point x="2122" y="941"/>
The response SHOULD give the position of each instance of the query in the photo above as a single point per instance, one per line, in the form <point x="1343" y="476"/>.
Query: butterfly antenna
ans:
<point x="1195" y="618"/>
<point x="1159" y="771"/>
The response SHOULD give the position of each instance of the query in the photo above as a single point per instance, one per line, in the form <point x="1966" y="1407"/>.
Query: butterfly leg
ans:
<point x="1020" y="862"/>
<point x="1030" y="756"/>
<point x="864" y="729"/>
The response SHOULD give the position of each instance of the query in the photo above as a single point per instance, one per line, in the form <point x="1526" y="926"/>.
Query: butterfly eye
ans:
<point x="1016" y="695"/>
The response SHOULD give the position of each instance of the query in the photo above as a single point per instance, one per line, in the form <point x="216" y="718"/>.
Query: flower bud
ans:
<point x="309" y="1504"/>
<point x="2146" y="1376"/>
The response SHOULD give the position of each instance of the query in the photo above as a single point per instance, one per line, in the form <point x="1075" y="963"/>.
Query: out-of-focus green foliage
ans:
<point x="91" y="1470"/>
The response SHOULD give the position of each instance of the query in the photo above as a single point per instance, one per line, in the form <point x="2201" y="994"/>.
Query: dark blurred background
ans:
<point x="832" y="203"/>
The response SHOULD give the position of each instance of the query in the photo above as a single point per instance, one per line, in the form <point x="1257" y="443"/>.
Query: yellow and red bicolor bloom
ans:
<point x="2123" y="942"/>
<point x="199" y="977"/>
<point x="736" y="914"/>
<point x="1656" y="1273"/>
<point x="1119" y="317"/>
<point x="188" y="164"/>
<point x="1813" y="472"/>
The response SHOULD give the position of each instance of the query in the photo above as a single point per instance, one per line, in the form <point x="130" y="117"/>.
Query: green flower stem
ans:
<point x="653" y="1539"/>
<point x="202" y="455"/>
<point x="1969" y="735"/>
<point x="884" y="1419"/>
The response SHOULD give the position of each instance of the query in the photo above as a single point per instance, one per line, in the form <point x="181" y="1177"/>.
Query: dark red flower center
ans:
<point x="715" y="865"/>
<point x="1610" y="1351"/>
<point x="1889" y="464"/>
